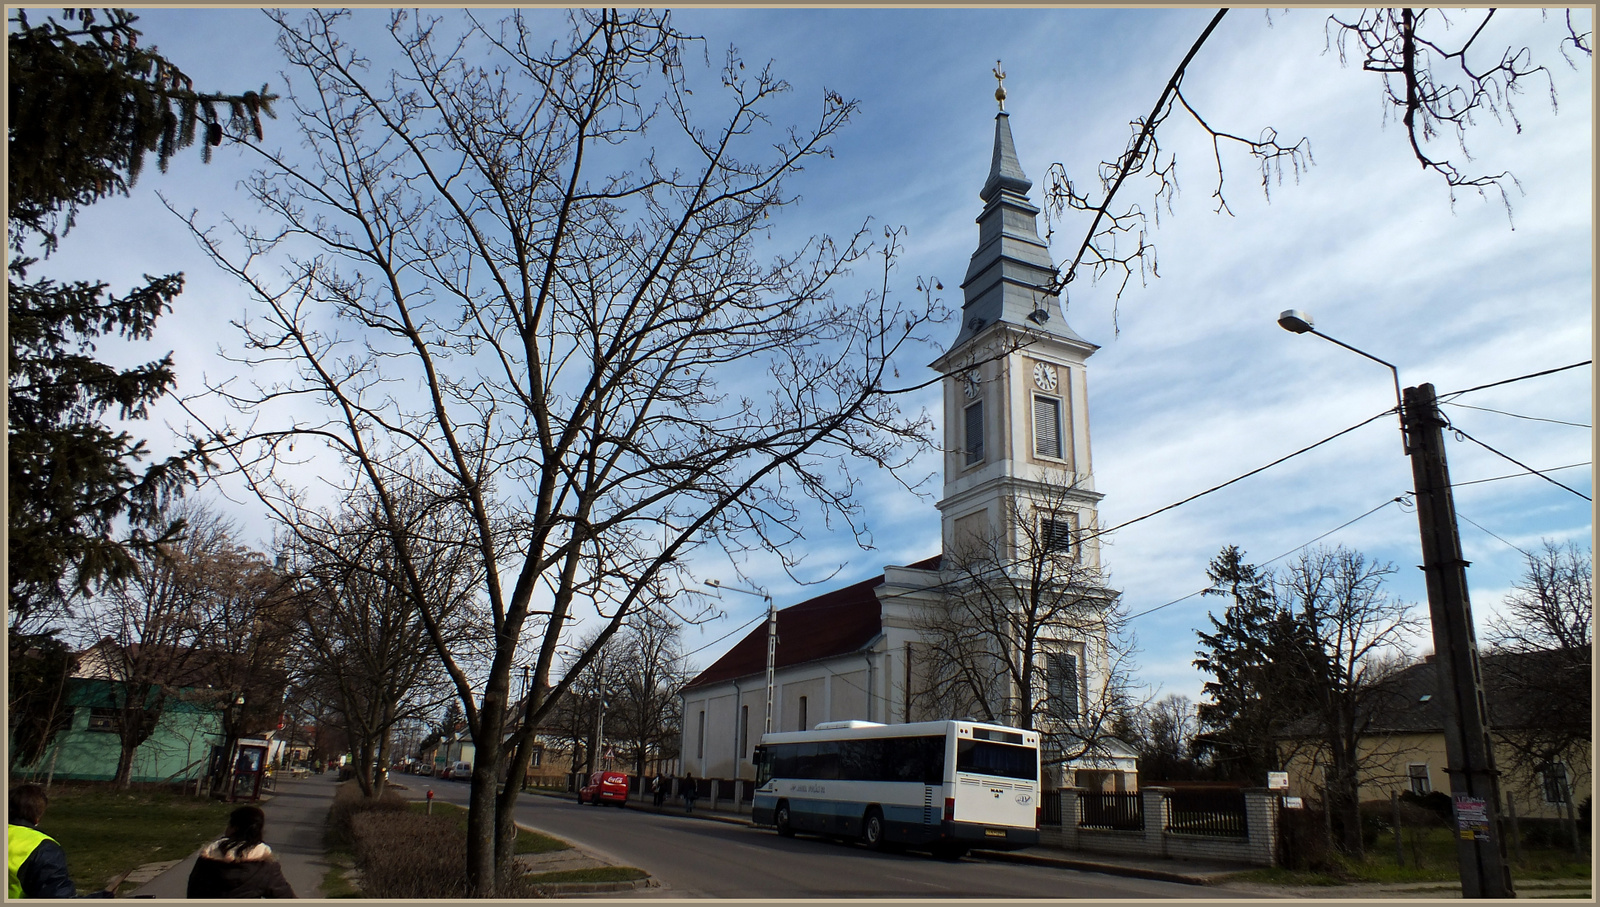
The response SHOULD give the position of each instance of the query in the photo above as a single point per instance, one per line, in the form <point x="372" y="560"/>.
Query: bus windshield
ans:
<point x="1004" y="760"/>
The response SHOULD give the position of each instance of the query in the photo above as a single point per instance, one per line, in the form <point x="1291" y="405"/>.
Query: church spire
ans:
<point x="1011" y="271"/>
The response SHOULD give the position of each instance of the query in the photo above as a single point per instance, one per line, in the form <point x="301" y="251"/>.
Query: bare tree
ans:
<point x="1169" y="726"/>
<point x="1357" y="631"/>
<point x="1543" y="648"/>
<point x="1433" y="80"/>
<point x="1027" y="632"/>
<point x="542" y="278"/>
<point x="360" y="630"/>
<point x="648" y="669"/>
<point x="194" y="608"/>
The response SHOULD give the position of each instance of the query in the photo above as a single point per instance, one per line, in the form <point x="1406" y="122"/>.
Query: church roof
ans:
<point x="832" y="624"/>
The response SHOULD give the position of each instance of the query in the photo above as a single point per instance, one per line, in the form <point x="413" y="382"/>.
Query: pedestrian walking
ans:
<point x="658" y="791"/>
<point x="690" y="792"/>
<point x="238" y="864"/>
<point x="35" y="864"/>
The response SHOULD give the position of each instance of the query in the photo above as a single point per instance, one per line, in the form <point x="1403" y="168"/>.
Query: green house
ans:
<point x="87" y="750"/>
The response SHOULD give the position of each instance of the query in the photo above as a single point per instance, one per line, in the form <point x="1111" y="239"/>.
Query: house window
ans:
<point x="803" y="724"/>
<point x="974" y="429"/>
<point x="744" y="731"/>
<point x="1047" y="426"/>
<point x="108" y="720"/>
<point x="1061" y="672"/>
<point x="700" y="737"/>
<point x="538" y="757"/>
<point x="1418" y="773"/>
<point x="1553" y="779"/>
<point x="1055" y="535"/>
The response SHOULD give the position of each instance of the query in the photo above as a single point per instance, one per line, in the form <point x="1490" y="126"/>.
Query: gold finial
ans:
<point x="1000" y="91"/>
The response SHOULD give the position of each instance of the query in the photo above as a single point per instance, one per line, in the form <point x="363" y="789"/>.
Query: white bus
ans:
<point x="941" y="785"/>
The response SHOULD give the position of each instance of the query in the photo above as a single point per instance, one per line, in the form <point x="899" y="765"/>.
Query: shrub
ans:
<point x="347" y="804"/>
<point x="1435" y="801"/>
<point x="1303" y="841"/>
<point x="404" y="855"/>
<point x="1585" y="811"/>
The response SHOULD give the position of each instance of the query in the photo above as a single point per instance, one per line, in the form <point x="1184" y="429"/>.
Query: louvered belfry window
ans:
<point x="1046" y="426"/>
<point x="1061" y="675"/>
<point x="1055" y="534"/>
<point x="974" y="428"/>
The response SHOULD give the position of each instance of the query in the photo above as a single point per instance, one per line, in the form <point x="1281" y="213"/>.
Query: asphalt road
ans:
<point x="699" y="858"/>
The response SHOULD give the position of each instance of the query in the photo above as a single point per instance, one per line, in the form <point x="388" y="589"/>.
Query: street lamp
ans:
<point x="1298" y="322"/>
<point x="1474" y="781"/>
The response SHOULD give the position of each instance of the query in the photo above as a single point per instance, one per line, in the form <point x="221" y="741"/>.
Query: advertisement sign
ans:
<point x="1293" y="803"/>
<point x="1277" y="780"/>
<point x="1472" y="818"/>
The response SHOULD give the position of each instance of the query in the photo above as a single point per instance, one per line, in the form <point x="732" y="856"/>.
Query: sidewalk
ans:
<point x="296" y="814"/>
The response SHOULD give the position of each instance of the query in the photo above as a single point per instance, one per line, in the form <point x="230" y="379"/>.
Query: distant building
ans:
<point x="1016" y="429"/>
<point x="1402" y="746"/>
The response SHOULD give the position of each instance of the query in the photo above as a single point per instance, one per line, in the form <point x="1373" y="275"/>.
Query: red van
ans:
<point x="605" y="787"/>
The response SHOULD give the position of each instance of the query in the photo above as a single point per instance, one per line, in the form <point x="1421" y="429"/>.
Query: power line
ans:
<point x="1470" y="520"/>
<point x="1279" y="557"/>
<point x="1548" y="371"/>
<point x="1518" y="475"/>
<point x="1485" y="409"/>
<point x="708" y="645"/>
<point x="1243" y="477"/>
<point x="1520" y="463"/>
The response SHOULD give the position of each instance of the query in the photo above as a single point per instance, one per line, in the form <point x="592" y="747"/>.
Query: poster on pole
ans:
<point x="1277" y="780"/>
<point x="1472" y="818"/>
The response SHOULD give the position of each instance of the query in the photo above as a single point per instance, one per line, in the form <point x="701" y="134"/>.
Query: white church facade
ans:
<point x="1018" y="479"/>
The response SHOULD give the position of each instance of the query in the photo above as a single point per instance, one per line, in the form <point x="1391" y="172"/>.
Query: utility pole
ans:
<point x="772" y="641"/>
<point x="1474" y="781"/>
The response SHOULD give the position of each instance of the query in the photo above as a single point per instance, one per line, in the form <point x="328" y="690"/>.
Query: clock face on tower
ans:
<point x="1044" y="375"/>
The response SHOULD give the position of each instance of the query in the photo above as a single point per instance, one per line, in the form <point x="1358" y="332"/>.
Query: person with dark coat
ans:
<point x="35" y="863"/>
<point x="238" y="864"/>
<point x="658" y="790"/>
<point x="689" y="791"/>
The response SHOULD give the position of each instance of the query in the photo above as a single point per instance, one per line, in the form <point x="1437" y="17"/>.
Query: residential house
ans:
<point x="1403" y="749"/>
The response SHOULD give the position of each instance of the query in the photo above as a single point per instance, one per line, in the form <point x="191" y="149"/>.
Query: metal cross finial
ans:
<point x="1000" y="91"/>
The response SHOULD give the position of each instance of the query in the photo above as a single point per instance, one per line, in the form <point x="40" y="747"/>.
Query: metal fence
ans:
<point x="1050" y="813"/>
<point x="1218" y="813"/>
<point x="1117" y="811"/>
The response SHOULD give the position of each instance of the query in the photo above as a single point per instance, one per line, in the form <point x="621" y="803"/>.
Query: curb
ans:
<point x="1137" y="872"/>
<point x="559" y="888"/>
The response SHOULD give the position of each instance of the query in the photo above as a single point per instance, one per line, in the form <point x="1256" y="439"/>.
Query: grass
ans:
<point x="527" y="841"/>
<point x="1430" y="856"/>
<point x="106" y="831"/>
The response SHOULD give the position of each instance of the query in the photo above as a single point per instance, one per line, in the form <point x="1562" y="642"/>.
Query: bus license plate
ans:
<point x="994" y="833"/>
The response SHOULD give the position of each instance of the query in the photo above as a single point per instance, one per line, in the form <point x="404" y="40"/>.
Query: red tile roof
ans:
<point x="834" y="623"/>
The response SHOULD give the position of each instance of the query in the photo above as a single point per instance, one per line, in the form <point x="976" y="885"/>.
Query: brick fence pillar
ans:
<point x="1071" y="809"/>
<point x="1155" y="819"/>
<point x="1261" y="823"/>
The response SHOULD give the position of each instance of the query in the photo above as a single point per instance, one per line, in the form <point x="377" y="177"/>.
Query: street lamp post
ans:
<point x="1474" y="781"/>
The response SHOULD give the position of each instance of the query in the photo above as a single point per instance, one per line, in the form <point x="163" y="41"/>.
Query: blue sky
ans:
<point x="1194" y="383"/>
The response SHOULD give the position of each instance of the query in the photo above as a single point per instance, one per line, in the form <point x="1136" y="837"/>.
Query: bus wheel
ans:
<point x="781" y="819"/>
<point x="872" y="831"/>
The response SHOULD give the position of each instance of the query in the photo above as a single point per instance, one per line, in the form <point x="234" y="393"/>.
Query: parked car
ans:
<point x="422" y="768"/>
<point x="457" y="771"/>
<point x="605" y="787"/>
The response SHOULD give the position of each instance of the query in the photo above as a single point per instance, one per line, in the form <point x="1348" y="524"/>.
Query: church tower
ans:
<point x="1016" y="403"/>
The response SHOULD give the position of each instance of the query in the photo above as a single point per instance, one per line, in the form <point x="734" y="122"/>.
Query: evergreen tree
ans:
<point x="1257" y="656"/>
<point x="87" y="105"/>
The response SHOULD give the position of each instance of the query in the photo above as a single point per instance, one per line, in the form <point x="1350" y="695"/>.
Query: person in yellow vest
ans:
<point x="35" y="863"/>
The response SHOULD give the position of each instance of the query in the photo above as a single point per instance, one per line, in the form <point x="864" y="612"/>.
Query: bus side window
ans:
<point x="827" y="768"/>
